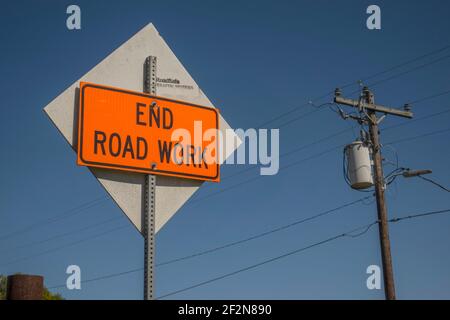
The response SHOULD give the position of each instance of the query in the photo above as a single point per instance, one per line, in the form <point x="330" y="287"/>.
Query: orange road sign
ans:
<point x="133" y="131"/>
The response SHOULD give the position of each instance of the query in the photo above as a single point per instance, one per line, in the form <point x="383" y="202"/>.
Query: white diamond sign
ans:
<point x="123" y="68"/>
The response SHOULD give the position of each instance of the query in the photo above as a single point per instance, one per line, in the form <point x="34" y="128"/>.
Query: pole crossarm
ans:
<point x="372" y="107"/>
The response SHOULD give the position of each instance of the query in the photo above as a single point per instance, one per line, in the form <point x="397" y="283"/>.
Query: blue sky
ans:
<point x="254" y="60"/>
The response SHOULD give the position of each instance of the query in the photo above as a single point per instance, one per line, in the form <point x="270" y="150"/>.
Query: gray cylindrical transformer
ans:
<point x="359" y="167"/>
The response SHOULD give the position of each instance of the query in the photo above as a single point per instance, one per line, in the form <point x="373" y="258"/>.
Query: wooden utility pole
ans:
<point x="367" y="106"/>
<point x="383" y="228"/>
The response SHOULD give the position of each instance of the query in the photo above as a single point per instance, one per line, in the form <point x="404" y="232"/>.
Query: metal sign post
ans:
<point x="149" y="196"/>
<point x="149" y="235"/>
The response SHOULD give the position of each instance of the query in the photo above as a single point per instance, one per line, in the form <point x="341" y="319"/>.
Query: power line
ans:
<point x="302" y="116"/>
<point x="66" y="214"/>
<point x="263" y="234"/>
<point x="419" y="136"/>
<point x="373" y="84"/>
<point x="435" y="183"/>
<point x="430" y="97"/>
<point x="428" y="116"/>
<point x="410" y="70"/>
<point x="112" y="275"/>
<point x="337" y="133"/>
<point x="282" y="169"/>
<point x="30" y="244"/>
<point x="295" y="163"/>
<point x="334" y="134"/>
<point x="419" y="215"/>
<point x="260" y="235"/>
<point x="231" y="244"/>
<point x="401" y="65"/>
<point x="64" y="246"/>
<point x="282" y="115"/>
<point x="366" y="228"/>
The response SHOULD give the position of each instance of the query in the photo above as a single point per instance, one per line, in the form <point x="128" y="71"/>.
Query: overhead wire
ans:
<point x="68" y="213"/>
<point x="266" y="233"/>
<point x="58" y="236"/>
<point x="295" y="163"/>
<point x="285" y="255"/>
<point x="374" y="75"/>
<point x="434" y="182"/>
<point x="429" y="97"/>
<point x="97" y="235"/>
<point x="378" y="82"/>
<point x="350" y="234"/>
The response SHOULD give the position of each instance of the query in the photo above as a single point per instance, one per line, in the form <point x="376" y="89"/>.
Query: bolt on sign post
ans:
<point x="133" y="131"/>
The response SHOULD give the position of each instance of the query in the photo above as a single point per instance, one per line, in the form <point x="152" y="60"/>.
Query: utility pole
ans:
<point x="383" y="228"/>
<point x="368" y="109"/>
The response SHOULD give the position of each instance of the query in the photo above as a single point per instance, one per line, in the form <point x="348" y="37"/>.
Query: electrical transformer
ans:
<point x="358" y="165"/>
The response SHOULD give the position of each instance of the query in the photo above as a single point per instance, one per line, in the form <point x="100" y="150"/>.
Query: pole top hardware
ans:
<point x="371" y="106"/>
<point x="337" y="92"/>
